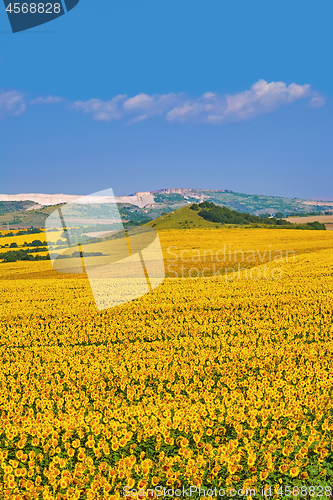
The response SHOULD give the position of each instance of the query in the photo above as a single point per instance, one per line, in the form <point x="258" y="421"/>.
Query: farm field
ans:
<point x="324" y="219"/>
<point x="223" y="380"/>
<point x="26" y="238"/>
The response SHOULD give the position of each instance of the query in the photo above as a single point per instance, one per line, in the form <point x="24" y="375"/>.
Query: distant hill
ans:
<point x="209" y="215"/>
<point x="7" y="207"/>
<point x="27" y="218"/>
<point x="252" y="204"/>
<point x="141" y="207"/>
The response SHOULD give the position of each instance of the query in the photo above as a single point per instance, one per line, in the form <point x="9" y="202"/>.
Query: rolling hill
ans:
<point x="182" y="218"/>
<point x="207" y="215"/>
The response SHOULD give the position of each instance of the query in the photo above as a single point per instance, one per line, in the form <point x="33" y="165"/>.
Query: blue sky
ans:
<point x="140" y="95"/>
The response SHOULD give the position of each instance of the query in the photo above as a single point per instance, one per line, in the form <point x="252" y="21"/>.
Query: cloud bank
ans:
<point x="137" y="108"/>
<point x="211" y="107"/>
<point x="262" y="98"/>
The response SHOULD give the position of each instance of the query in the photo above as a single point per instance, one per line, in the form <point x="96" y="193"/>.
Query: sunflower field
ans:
<point x="206" y="382"/>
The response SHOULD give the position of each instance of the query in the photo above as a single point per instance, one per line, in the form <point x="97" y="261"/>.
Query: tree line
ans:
<point x="223" y="215"/>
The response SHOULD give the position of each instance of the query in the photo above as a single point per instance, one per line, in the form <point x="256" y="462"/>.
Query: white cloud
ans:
<point x="137" y="108"/>
<point x="209" y="95"/>
<point x="101" y="110"/>
<point x="139" y="101"/>
<point x="137" y="119"/>
<point x="47" y="100"/>
<point x="149" y="106"/>
<point x="11" y="104"/>
<point x="262" y="98"/>
<point x="317" y="100"/>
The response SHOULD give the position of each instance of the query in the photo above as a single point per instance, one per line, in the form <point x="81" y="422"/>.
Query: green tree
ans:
<point x="10" y="257"/>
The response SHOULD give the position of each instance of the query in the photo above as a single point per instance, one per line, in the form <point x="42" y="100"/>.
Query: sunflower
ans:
<point x="294" y="471"/>
<point x="263" y="475"/>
